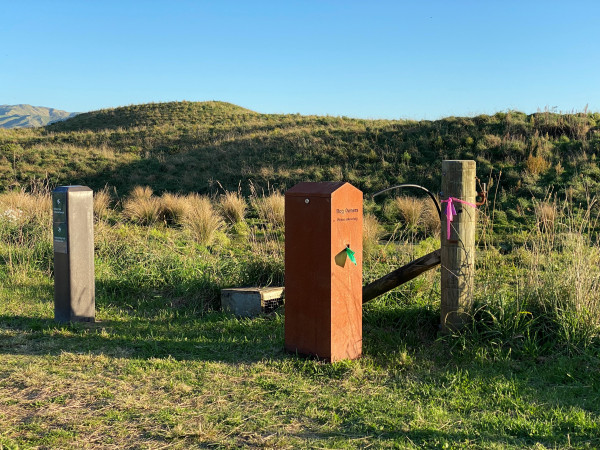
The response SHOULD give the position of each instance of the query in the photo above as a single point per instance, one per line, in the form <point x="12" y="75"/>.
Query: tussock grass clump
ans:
<point x="234" y="207"/>
<point x="174" y="208"/>
<point x="102" y="203"/>
<point x="270" y="209"/>
<point x="142" y="192"/>
<point x="19" y="206"/>
<point x="411" y="210"/>
<point x="142" y="210"/>
<point x="431" y="218"/>
<point x="202" y="220"/>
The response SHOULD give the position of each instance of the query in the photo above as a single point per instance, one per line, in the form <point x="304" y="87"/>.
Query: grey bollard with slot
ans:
<point x="73" y="230"/>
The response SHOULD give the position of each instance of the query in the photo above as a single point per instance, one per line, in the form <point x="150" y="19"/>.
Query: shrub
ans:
<point x="492" y="141"/>
<point x="536" y="165"/>
<point x="389" y="210"/>
<point x="559" y="169"/>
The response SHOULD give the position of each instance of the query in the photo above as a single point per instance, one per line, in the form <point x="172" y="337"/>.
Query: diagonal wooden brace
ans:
<point x="401" y="275"/>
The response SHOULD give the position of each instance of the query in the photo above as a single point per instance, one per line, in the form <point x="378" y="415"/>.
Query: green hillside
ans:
<point x="27" y="116"/>
<point x="183" y="114"/>
<point x="524" y="371"/>
<point x="186" y="147"/>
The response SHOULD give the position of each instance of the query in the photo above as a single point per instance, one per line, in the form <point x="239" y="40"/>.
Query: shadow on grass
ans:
<point x="389" y="326"/>
<point x="566" y="385"/>
<point x="436" y="439"/>
<point x="212" y="337"/>
<point x="153" y="326"/>
<point x="141" y="323"/>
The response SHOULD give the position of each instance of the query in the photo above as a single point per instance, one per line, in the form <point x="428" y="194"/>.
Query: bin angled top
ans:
<point x="317" y="189"/>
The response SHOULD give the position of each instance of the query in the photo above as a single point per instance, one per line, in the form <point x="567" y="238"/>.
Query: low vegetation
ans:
<point x="162" y="366"/>
<point x="188" y="200"/>
<point x="213" y="147"/>
<point x="234" y="207"/>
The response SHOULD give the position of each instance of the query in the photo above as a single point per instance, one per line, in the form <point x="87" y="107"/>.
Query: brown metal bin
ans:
<point x="323" y="287"/>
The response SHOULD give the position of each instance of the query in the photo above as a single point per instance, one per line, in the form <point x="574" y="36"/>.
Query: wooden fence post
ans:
<point x="458" y="248"/>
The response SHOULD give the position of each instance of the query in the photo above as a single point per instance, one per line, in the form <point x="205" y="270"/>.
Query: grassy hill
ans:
<point x="162" y="366"/>
<point x="191" y="147"/>
<point x="27" y="116"/>
<point x="182" y="114"/>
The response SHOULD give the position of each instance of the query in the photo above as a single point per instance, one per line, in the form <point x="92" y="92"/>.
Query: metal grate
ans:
<point x="271" y="305"/>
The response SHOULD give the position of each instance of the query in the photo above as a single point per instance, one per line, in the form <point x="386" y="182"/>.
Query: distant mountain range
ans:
<point x="27" y="116"/>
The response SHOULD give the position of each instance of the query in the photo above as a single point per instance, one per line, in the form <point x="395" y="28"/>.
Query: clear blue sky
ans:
<point x="370" y="59"/>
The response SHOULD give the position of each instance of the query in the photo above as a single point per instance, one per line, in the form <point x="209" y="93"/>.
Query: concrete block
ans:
<point x="251" y="301"/>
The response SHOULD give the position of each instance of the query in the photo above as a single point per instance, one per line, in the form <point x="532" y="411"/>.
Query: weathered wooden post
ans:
<point x="458" y="242"/>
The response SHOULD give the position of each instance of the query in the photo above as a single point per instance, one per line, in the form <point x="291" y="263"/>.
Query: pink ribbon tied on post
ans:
<point x="451" y="212"/>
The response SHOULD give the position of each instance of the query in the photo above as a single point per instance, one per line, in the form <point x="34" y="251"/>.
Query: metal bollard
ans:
<point x="73" y="231"/>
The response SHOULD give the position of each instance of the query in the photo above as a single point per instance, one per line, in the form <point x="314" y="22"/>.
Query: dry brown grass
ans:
<point x="546" y="214"/>
<point x="431" y="218"/>
<point x="174" y="208"/>
<point x="102" y="203"/>
<point x="142" y="192"/>
<point x="20" y="207"/>
<point x="372" y="233"/>
<point x="142" y="207"/>
<point x="411" y="210"/>
<point x="270" y="209"/>
<point x="233" y="206"/>
<point x="202" y="220"/>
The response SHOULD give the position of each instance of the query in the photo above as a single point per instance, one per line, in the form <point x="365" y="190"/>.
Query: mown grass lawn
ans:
<point x="162" y="368"/>
<point x="171" y="377"/>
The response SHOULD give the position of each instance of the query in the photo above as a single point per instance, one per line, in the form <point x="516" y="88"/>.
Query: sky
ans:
<point x="364" y="59"/>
